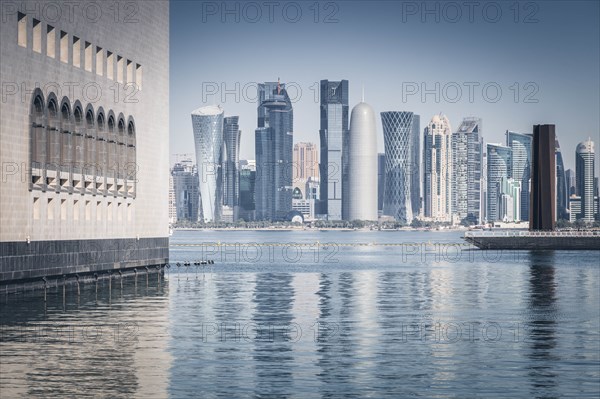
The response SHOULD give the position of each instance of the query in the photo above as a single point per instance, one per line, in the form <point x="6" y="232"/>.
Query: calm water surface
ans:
<point x="307" y="315"/>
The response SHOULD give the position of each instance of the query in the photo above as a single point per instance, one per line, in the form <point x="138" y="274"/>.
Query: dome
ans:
<point x="585" y="146"/>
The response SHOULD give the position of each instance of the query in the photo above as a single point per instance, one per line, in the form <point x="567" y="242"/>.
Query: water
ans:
<point x="429" y="319"/>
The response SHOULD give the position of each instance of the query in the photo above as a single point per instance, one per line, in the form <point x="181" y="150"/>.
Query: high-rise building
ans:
<point x="362" y="164"/>
<point x="207" y="123"/>
<point x="397" y="137"/>
<point x="274" y="149"/>
<point x="467" y="148"/>
<point x="247" y="182"/>
<point x="508" y="201"/>
<point x="333" y="135"/>
<point x="306" y="162"/>
<point x="186" y="189"/>
<point x="542" y="206"/>
<point x="562" y="191"/>
<point x="499" y="166"/>
<point x="172" y="202"/>
<point x="83" y="189"/>
<point x="584" y="167"/>
<point x="380" y="181"/>
<point x="571" y="181"/>
<point x="520" y="144"/>
<point x="231" y="184"/>
<point x="415" y="171"/>
<point x="437" y="176"/>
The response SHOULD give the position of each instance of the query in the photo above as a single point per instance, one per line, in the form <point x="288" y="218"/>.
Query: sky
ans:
<point x="512" y="64"/>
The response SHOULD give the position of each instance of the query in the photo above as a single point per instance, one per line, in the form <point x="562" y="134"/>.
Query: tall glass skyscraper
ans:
<point x="231" y="136"/>
<point x="467" y="148"/>
<point x="562" y="190"/>
<point x="207" y="123"/>
<point x="499" y="165"/>
<point x="520" y="144"/>
<point x="274" y="152"/>
<point x="415" y="172"/>
<point x="437" y="182"/>
<point x="398" y="137"/>
<point x="333" y="133"/>
<point x="584" y="171"/>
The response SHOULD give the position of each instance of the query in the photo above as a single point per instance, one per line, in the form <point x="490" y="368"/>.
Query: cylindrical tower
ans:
<point x="362" y="164"/>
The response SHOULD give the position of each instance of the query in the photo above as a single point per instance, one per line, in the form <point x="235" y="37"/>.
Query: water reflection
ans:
<point x="542" y="324"/>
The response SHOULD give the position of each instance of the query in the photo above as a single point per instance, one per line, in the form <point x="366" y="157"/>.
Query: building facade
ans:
<point x="186" y="192"/>
<point x="584" y="170"/>
<point x="398" y="144"/>
<point x="274" y="153"/>
<point x="306" y="162"/>
<point x="247" y="183"/>
<point x="380" y="182"/>
<point x="83" y="191"/>
<point x="437" y="174"/>
<point x="362" y="164"/>
<point x="499" y="166"/>
<point x="520" y="144"/>
<point x="333" y="135"/>
<point x="415" y="172"/>
<point x="231" y="159"/>
<point x="509" y="200"/>
<point x="542" y="206"/>
<point x="467" y="157"/>
<point x="207" y="123"/>
<point x="562" y="189"/>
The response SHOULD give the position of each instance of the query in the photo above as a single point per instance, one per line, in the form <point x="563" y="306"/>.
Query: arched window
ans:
<point x="78" y="139"/>
<point x="111" y="150"/>
<point x="90" y="166"/>
<point x="297" y="193"/>
<point x="131" y="157"/>
<point x="53" y="134"/>
<point x="66" y="128"/>
<point x="101" y="154"/>
<point x="37" y="139"/>
<point x="121" y="148"/>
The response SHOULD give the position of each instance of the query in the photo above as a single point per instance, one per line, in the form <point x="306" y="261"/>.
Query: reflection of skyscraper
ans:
<point x="333" y="132"/>
<point x="562" y="191"/>
<point x="467" y="150"/>
<point x="208" y="137"/>
<point x="542" y="206"/>
<point x="274" y="147"/>
<point x="397" y="136"/>
<point x="362" y="164"/>
<point x="231" y="185"/>
<point x="521" y="170"/>
<point x="584" y="166"/>
<point x="499" y="166"/>
<point x="437" y="159"/>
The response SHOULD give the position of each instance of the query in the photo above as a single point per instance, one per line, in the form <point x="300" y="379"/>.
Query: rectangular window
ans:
<point x="50" y="209"/>
<point x="50" y="41"/>
<point x="37" y="36"/>
<point x="110" y="65"/>
<point x="36" y="208"/>
<point x="129" y="77"/>
<point x="138" y="76"/>
<point x="88" y="210"/>
<point x="64" y="47"/>
<point x="63" y="209"/>
<point x="119" y="69"/>
<point x="76" y="52"/>
<point x="22" y="30"/>
<point x="75" y="209"/>
<point x="99" y="61"/>
<point x="88" y="57"/>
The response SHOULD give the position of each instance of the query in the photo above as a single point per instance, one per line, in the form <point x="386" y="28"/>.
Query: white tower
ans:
<point x="362" y="164"/>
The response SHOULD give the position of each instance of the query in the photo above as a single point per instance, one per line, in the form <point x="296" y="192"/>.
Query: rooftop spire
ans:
<point x="363" y="94"/>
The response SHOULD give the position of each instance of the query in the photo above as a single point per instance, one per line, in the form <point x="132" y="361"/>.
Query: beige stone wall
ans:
<point x="137" y="31"/>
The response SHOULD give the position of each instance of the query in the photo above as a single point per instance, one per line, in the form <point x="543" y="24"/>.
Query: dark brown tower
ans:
<point x="542" y="207"/>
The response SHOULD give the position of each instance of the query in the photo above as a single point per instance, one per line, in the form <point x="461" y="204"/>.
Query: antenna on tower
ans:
<point x="363" y="94"/>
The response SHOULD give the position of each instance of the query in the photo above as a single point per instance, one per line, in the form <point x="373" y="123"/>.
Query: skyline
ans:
<point x="567" y="97"/>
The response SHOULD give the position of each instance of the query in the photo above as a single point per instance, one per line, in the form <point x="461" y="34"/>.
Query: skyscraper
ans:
<point x="397" y="137"/>
<point x="380" y="181"/>
<point x="415" y="171"/>
<point x="520" y="145"/>
<point x="274" y="147"/>
<point x="571" y="181"/>
<point x="499" y="166"/>
<point x="437" y="182"/>
<point x="542" y="206"/>
<point x="584" y="170"/>
<point x="362" y="165"/>
<point x="231" y="185"/>
<point x="247" y="182"/>
<point x="185" y="187"/>
<point x="562" y="191"/>
<point x="207" y="123"/>
<point x="333" y="132"/>
<point x="306" y="162"/>
<point x="467" y="146"/>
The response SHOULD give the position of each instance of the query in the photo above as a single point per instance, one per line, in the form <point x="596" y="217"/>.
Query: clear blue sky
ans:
<point x="554" y="46"/>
